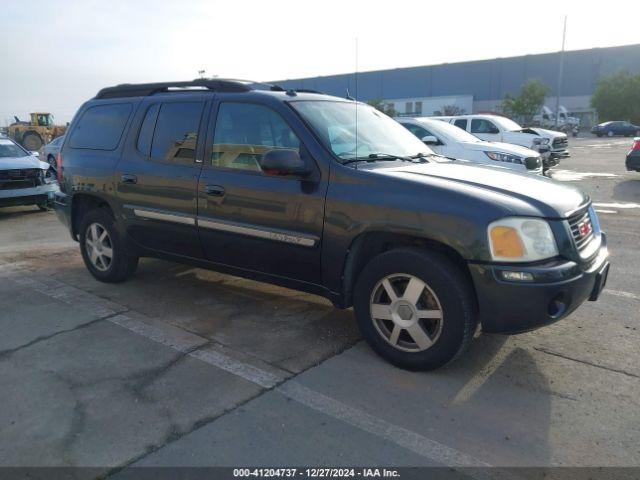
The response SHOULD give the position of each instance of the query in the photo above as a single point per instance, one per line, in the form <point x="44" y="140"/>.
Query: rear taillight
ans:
<point x="636" y="144"/>
<point x="59" y="167"/>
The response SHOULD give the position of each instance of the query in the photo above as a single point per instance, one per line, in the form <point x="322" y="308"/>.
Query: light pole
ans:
<point x="560" y="72"/>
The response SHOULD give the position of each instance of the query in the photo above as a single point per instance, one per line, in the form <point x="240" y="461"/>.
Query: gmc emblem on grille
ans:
<point x="584" y="229"/>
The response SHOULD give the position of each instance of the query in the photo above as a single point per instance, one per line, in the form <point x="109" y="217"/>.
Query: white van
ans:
<point x="450" y="141"/>
<point x="495" y="128"/>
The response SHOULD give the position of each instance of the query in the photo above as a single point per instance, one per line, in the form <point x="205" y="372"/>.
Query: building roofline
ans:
<point x="414" y="67"/>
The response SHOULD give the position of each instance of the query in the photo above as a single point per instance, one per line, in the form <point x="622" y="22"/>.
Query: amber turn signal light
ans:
<point x="506" y="243"/>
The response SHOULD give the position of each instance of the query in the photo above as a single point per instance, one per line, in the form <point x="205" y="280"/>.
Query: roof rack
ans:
<point x="308" y="90"/>
<point x="146" y="89"/>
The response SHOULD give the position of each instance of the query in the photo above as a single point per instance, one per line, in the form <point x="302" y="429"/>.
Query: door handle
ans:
<point x="129" y="178"/>
<point x="214" y="190"/>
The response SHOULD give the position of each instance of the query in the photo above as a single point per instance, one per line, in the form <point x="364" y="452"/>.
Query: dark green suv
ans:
<point x="328" y="196"/>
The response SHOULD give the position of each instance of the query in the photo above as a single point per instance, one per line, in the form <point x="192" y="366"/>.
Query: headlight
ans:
<point x="48" y="176"/>
<point x="504" y="157"/>
<point x="541" y="141"/>
<point x="521" y="239"/>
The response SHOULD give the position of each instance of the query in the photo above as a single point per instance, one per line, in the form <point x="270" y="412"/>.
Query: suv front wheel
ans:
<point x="102" y="249"/>
<point x="415" y="308"/>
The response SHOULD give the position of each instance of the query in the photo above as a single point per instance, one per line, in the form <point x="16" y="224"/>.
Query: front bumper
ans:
<point x="28" y="196"/>
<point x="633" y="161"/>
<point x="558" y="289"/>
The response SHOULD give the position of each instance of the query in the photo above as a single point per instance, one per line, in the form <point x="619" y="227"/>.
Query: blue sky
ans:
<point x="56" y="54"/>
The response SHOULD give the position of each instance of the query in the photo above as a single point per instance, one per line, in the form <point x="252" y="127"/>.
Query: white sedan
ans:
<point x="450" y="141"/>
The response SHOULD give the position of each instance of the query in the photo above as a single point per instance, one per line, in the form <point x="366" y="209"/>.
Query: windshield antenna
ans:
<point x="356" y="88"/>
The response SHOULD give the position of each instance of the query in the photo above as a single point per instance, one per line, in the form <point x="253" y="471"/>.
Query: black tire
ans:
<point x="599" y="135"/>
<point x="32" y="142"/>
<point x="44" y="205"/>
<point x="453" y="291"/>
<point x="122" y="265"/>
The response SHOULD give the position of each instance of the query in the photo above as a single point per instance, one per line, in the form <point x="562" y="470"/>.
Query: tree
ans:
<point x="386" y="108"/>
<point x="617" y="97"/>
<point x="449" y="111"/>
<point x="528" y="102"/>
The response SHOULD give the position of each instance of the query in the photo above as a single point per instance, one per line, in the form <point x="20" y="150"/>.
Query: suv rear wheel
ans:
<point x="415" y="308"/>
<point x="102" y="249"/>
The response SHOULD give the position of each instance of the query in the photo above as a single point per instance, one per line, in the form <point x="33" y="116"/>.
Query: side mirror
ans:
<point x="35" y="154"/>
<point x="430" y="140"/>
<point x="283" y="162"/>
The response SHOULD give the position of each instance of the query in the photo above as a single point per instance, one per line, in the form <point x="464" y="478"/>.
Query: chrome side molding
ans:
<point x="276" y="235"/>
<point x="259" y="232"/>
<point x="167" y="217"/>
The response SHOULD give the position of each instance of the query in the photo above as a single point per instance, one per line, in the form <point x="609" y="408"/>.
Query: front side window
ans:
<point x="244" y="132"/>
<point x="353" y="130"/>
<point x="176" y="132"/>
<point x="480" y="125"/>
<point x="100" y="127"/>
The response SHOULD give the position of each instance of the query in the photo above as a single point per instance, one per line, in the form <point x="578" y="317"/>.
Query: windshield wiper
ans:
<point x="385" y="157"/>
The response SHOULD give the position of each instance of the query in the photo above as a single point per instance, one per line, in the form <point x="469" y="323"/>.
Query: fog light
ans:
<point x="557" y="306"/>
<point x="516" y="276"/>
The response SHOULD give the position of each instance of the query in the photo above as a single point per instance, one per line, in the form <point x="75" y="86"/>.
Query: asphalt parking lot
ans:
<point x="185" y="367"/>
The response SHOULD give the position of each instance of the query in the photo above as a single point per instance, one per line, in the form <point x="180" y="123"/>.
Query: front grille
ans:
<point x="20" y="178"/>
<point x="532" y="163"/>
<point x="581" y="228"/>
<point x="560" y="142"/>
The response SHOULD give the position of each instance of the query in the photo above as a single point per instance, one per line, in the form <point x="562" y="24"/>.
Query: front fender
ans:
<point x="360" y="202"/>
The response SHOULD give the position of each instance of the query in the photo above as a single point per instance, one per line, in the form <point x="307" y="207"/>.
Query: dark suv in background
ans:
<point x="328" y="196"/>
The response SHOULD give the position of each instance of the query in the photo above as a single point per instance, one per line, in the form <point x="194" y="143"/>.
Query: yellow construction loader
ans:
<point x="34" y="134"/>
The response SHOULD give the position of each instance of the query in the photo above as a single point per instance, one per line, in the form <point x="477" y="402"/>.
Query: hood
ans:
<point x="28" y="161"/>
<point x="551" y="198"/>
<point x="548" y="133"/>
<point x="501" y="147"/>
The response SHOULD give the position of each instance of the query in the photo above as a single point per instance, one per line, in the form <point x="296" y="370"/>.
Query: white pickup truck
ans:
<point x="495" y="128"/>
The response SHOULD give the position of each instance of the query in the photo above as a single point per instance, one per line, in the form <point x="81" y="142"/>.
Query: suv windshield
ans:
<point x="376" y="134"/>
<point x="10" y="149"/>
<point x="506" y="124"/>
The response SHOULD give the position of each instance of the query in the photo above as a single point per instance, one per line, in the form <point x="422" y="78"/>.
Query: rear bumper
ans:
<point x="62" y="207"/>
<point x="558" y="289"/>
<point x="633" y="161"/>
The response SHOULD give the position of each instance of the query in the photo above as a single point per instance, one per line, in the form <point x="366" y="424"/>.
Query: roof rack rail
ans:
<point x="308" y="90"/>
<point x="146" y="89"/>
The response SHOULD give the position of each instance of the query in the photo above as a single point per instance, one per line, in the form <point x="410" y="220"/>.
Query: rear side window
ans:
<point x="100" y="127"/>
<point x="176" y="132"/>
<point x="461" y="122"/>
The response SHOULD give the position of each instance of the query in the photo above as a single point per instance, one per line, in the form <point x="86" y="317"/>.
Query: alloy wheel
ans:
<point x="99" y="247"/>
<point x="406" y="312"/>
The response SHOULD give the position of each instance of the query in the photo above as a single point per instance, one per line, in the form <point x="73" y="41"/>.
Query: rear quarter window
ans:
<point x="101" y="126"/>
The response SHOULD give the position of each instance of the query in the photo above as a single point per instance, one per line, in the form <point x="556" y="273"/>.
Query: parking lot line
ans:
<point x="619" y="293"/>
<point x="191" y="344"/>
<point x="413" y="441"/>
<point x="408" y="439"/>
